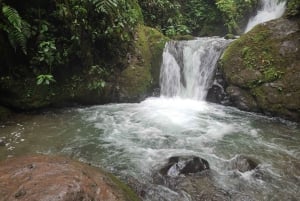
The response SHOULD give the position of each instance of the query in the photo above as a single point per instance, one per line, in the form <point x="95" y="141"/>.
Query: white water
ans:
<point x="188" y="67"/>
<point x="134" y="140"/>
<point x="271" y="9"/>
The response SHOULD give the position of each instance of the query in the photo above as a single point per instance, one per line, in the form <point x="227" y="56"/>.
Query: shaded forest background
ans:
<point x="50" y="48"/>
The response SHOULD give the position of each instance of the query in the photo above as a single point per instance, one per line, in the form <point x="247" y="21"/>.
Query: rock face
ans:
<point x="58" y="179"/>
<point x="142" y="74"/>
<point x="262" y="69"/>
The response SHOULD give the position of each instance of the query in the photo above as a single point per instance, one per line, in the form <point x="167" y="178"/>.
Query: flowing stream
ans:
<point x="270" y="9"/>
<point x="133" y="140"/>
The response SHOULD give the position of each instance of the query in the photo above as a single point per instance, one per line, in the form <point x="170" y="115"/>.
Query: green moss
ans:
<point x="265" y="63"/>
<point x="142" y="73"/>
<point x="255" y="50"/>
<point x="293" y="8"/>
<point x="157" y="42"/>
<point x="130" y="195"/>
<point x="230" y="36"/>
<point x="183" y="37"/>
<point x="135" y="82"/>
<point x="136" y="7"/>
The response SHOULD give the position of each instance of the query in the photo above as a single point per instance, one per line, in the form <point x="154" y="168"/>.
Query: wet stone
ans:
<point x="184" y="165"/>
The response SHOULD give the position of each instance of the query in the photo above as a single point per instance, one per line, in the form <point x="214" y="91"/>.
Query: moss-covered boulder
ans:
<point x="264" y="67"/>
<point x="142" y="73"/>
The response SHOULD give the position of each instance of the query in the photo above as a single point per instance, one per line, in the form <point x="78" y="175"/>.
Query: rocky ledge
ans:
<point x="260" y="71"/>
<point x="58" y="179"/>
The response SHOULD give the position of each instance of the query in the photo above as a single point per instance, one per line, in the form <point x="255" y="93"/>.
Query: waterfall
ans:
<point x="271" y="9"/>
<point x="188" y="67"/>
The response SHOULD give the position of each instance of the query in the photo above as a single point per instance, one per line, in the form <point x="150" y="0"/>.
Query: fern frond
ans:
<point x="18" y="30"/>
<point x="12" y="16"/>
<point x="17" y="38"/>
<point x="105" y="6"/>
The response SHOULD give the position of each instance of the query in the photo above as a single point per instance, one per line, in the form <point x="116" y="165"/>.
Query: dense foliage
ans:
<point x="61" y="36"/>
<point x="45" y="45"/>
<point x="199" y="17"/>
<point x="293" y="8"/>
<point x="57" y="35"/>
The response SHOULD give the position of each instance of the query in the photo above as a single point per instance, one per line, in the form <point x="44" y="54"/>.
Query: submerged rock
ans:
<point x="184" y="165"/>
<point x="242" y="163"/>
<point x="58" y="179"/>
<point x="192" y="179"/>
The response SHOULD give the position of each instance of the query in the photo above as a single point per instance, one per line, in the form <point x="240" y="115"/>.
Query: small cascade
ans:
<point x="270" y="9"/>
<point x="188" y="67"/>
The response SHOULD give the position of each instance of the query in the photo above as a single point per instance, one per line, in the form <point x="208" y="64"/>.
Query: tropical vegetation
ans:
<point x="70" y="42"/>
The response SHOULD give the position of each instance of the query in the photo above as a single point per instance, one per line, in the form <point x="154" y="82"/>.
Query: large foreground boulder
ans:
<point x="58" y="179"/>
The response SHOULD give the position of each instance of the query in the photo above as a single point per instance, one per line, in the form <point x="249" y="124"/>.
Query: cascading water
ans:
<point x="188" y="67"/>
<point x="270" y="9"/>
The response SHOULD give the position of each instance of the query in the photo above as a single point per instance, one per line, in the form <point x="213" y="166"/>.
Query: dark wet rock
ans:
<point x="185" y="165"/>
<point x="217" y="94"/>
<point x="58" y="179"/>
<point x="242" y="163"/>
<point x="201" y="182"/>
<point x="201" y="186"/>
<point x="2" y="142"/>
<point x="241" y="99"/>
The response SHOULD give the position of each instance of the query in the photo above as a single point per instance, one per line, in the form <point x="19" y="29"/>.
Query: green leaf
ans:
<point x="39" y="81"/>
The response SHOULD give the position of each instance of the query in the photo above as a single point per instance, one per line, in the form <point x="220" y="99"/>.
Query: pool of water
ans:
<point x="132" y="140"/>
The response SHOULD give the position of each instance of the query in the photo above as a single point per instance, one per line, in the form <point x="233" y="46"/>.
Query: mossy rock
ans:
<point x="293" y="8"/>
<point x="141" y="75"/>
<point x="265" y="64"/>
<point x="184" y="37"/>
